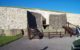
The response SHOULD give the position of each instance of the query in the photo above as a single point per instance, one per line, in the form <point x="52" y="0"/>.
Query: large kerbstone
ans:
<point x="1" y="32"/>
<point x="12" y="32"/>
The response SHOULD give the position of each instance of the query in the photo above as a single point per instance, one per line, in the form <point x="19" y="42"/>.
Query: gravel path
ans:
<point x="55" y="43"/>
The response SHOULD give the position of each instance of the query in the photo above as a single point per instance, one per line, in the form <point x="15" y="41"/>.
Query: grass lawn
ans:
<point x="7" y="39"/>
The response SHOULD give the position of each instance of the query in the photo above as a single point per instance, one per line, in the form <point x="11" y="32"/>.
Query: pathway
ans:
<point x="55" y="43"/>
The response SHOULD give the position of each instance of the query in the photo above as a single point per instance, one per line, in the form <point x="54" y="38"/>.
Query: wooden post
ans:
<point x="49" y="35"/>
<point x="29" y="33"/>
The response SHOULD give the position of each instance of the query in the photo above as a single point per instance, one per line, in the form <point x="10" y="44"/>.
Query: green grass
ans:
<point x="7" y="39"/>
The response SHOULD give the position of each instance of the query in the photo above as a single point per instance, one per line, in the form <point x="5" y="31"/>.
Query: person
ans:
<point x="36" y="33"/>
<point x="78" y="31"/>
<point x="40" y="34"/>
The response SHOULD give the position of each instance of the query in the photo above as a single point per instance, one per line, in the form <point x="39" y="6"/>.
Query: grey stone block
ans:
<point x="25" y="32"/>
<point x="15" y="31"/>
<point x="57" y="22"/>
<point x="1" y="32"/>
<point x="12" y="32"/>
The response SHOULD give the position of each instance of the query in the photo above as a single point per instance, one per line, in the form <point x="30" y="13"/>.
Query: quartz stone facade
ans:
<point x="56" y="21"/>
<point x="12" y="19"/>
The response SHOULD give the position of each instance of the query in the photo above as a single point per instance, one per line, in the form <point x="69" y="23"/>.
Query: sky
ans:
<point x="72" y="6"/>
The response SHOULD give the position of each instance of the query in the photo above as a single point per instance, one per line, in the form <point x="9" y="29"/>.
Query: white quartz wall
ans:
<point x="13" y="18"/>
<point x="16" y="18"/>
<point x="73" y="18"/>
<point x="45" y="14"/>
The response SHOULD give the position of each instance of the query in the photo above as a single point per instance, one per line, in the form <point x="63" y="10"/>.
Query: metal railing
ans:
<point x="73" y="28"/>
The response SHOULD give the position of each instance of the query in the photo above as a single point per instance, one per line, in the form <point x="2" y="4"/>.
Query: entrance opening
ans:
<point x="44" y="24"/>
<point x="34" y="24"/>
<point x="31" y="21"/>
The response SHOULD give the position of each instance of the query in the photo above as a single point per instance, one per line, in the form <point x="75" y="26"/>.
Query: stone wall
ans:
<point x="1" y="32"/>
<point x="12" y="19"/>
<point x="57" y="21"/>
<point x="16" y="19"/>
<point x="73" y="18"/>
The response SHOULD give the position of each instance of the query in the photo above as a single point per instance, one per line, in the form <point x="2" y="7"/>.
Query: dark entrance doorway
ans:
<point x="34" y="25"/>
